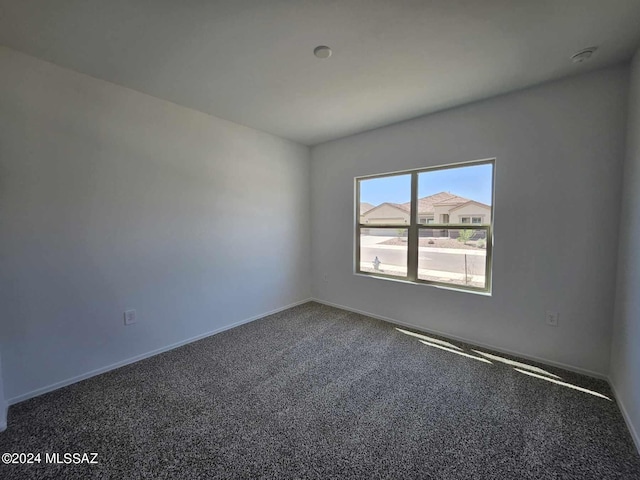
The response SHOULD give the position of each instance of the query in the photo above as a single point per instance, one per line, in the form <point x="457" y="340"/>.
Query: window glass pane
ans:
<point x="386" y="200"/>
<point x="457" y="194"/>
<point x="453" y="256"/>
<point x="384" y="250"/>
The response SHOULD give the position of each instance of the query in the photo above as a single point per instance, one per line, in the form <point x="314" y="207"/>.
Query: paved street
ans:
<point x="428" y="259"/>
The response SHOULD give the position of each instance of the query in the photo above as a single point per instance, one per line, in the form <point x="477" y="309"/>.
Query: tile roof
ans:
<point x="402" y="206"/>
<point x="364" y="210"/>
<point x="426" y="205"/>
<point x="365" y="207"/>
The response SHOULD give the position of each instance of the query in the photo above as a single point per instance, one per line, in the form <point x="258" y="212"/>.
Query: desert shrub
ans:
<point x="465" y="235"/>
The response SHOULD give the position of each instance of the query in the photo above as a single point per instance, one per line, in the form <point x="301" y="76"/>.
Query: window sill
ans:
<point x="425" y="284"/>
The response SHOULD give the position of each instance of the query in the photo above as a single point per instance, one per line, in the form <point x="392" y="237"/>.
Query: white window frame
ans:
<point x="415" y="226"/>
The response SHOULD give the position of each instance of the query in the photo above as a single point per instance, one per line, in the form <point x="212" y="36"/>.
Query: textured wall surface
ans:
<point x="113" y="200"/>
<point x="625" y="349"/>
<point x="557" y="146"/>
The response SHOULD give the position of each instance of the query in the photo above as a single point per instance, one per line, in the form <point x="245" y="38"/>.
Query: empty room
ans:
<point x="359" y="239"/>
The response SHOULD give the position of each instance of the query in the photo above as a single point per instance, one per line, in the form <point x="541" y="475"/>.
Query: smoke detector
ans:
<point x="583" y="55"/>
<point x="322" y="51"/>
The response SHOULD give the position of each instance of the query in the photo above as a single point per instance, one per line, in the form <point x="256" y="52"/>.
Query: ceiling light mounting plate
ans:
<point x="322" y="51"/>
<point x="583" y="55"/>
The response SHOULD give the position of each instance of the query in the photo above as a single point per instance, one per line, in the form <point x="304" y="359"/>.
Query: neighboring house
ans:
<point x="441" y="208"/>
<point x="365" y="207"/>
<point x="385" y="213"/>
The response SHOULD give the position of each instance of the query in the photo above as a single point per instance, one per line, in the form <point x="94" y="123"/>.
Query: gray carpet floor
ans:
<point x="317" y="392"/>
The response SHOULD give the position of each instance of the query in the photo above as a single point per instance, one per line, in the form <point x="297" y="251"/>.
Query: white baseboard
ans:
<point x="627" y="418"/>
<point x="113" y="366"/>
<point x="533" y="358"/>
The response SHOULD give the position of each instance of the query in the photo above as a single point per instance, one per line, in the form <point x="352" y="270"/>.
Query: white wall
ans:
<point x="3" y="403"/>
<point x="625" y="351"/>
<point x="111" y="200"/>
<point x="386" y="214"/>
<point x="557" y="145"/>
<point x="471" y="210"/>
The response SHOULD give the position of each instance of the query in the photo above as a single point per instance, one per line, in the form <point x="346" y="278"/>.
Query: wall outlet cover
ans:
<point x="130" y="317"/>
<point x="552" y="318"/>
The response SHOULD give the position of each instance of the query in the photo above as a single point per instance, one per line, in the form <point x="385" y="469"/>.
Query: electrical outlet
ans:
<point x="130" y="317"/>
<point x="552" y="318"/>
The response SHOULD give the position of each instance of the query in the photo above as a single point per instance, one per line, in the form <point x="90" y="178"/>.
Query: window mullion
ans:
<point x="412" y="253"/>
<point x="358" y="233"/>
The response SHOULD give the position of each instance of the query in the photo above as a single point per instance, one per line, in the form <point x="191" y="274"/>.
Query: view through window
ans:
<point x="428" y="226"/>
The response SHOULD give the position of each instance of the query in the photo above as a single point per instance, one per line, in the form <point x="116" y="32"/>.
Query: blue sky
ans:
<point x="473" y="182"/>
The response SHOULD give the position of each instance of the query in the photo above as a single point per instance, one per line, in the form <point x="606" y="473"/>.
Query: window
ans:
<point x="476" y="220"/>
<point x="427" y="226"/>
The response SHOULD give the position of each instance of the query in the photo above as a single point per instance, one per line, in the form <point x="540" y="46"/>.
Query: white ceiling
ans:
<point x="251" y="61"/>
